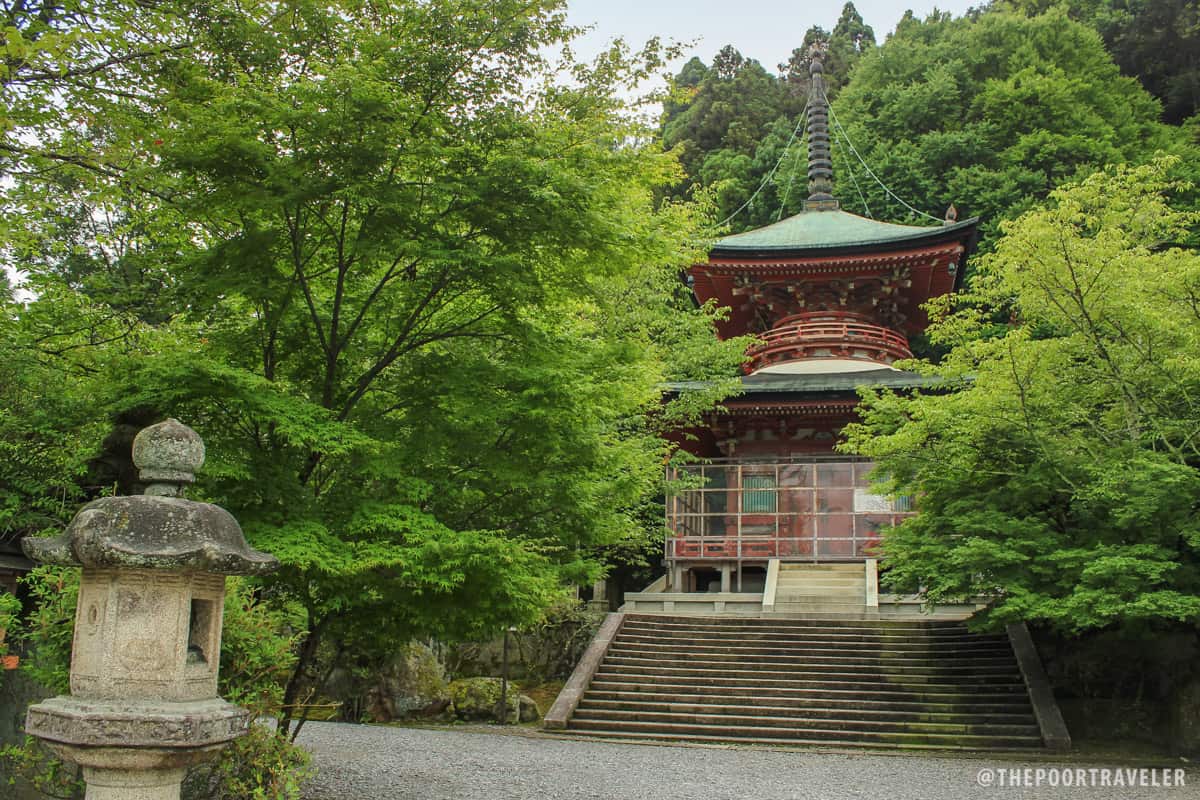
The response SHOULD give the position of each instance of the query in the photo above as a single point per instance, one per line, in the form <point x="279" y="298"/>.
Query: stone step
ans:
<point x="788" y="579"/>
<point x="889" y="627"/>
<point x="806" y="733"/>
<point x="820" y="588"/>
<point x="814" y="709"/>
<point x="806" y="643"/>
<point x="843" y="666"/>
<point x="840" y="691"/>
<point x="831" y="678"/>
<point x="888" y="655"/>
<point x="775" y="741"/>
<point x="791" y="569"/>
<point x="905" y="625"/>
<point x="806" y="649"/>
<point x="823" y="607"/>
<point x="1028" y="729"/>
<point x="808" y="679"/>
<point x="822" y="634"/>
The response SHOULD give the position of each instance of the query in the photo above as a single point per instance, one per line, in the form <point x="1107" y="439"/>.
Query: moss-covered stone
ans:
<point x="479" y="699"/>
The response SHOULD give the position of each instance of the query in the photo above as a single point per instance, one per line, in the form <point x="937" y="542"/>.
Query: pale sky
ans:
<point x="766" y="30"/>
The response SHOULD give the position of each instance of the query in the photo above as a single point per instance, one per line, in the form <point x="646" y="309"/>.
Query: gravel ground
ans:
<point x="365" y="762"/>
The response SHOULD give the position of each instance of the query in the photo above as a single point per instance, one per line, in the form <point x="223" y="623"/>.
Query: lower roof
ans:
<point x="772" y="384"/>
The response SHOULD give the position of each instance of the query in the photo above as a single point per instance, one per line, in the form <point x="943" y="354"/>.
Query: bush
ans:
<point x="48" y="631"/>
<point x="262" y="765"/>
<point x="10" y="607"/>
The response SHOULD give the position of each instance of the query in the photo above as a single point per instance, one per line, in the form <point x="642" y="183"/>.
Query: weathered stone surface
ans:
<point x="169" y="452"/>
<point x="147" y="638"/>
<point x="479" y="698"/>
<point x="149" y="532"/>
<point x="147" y="635"/>
<point x="72" y="721"/>
<point x="413" y="682"/>
<point x="160" y="529"/>
<point x="529" y="709"/>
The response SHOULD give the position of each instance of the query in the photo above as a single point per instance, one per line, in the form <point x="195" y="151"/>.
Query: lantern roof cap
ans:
<point x="160" y="529"/>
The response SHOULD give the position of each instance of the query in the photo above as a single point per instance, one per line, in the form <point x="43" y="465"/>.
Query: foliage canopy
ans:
<point x="407" y="277"/>
<point x="1059" y="471"/>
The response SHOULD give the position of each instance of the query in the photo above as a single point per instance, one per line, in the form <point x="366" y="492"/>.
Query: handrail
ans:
<point x="888" y="345"/>
<point x="836" y="330"/>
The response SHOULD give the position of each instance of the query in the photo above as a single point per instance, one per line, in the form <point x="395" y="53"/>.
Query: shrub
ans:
<point x="10" y="607"/>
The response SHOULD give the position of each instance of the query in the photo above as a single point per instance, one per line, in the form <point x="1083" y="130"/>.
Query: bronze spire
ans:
<point x="820" y="157"/>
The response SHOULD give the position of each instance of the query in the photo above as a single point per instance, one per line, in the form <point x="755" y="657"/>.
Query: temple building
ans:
<point x="769" y="625"/>
<point x="834" y="300"/>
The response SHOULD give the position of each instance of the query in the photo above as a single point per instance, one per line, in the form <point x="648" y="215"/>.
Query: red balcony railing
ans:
<point x="802" y="337"/>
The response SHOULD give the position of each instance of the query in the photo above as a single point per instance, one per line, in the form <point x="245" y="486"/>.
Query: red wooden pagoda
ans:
<point x="834" y="299"/>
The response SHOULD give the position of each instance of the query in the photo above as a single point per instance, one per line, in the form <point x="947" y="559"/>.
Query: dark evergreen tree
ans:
<point x="730" y="123"/>
<point x="851" y="37"/>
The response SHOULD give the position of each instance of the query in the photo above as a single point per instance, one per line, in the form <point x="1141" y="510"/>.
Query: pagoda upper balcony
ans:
<point x="833" y="341"/>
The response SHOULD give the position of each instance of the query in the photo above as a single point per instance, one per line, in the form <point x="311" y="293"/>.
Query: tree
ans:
<point x="1057" y="473"/>
<point x="1154" y="41"/>
<point x="989" y="113"/>
<point x="395" y="252"/>
<point x="851" y="37"/>
<point x="730" y="126"/>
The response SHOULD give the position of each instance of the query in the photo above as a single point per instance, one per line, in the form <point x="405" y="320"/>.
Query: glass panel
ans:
<point x="861" y="471"/>
<point x="835" y="500"/>
<point x="716" y="502"/>
<point x="796" y="501"/>
<point x="795" y="475"/>
<point x="870" y="524"/>
<point x="835" y="474"/>
<point x="837" y="526"/>
<point x="835" y="548"/>
<point x="779" y="509"/>
<point x="867" y="503"/>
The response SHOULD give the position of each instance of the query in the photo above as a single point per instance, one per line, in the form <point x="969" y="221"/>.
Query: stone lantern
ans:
<point x="143" y="705"/>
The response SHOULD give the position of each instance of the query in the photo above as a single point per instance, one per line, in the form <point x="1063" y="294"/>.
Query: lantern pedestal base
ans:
<point x="120" y="784"/>
<point x="135" y="750"/>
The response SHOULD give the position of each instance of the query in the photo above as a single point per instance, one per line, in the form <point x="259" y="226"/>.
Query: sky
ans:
<point x="766" y="30"/>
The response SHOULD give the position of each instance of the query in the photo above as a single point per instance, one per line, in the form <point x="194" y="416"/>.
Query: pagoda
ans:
<point x="834" y="300"/>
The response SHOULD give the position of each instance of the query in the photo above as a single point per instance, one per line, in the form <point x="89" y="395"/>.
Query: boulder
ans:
<point x="478" y="699"/>
<point x="413" y="682"/>
<point x="529" y="709"/>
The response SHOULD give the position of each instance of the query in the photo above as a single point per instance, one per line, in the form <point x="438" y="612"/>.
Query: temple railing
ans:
<point x="811" y="510"/>
<point x="827" y="337"/>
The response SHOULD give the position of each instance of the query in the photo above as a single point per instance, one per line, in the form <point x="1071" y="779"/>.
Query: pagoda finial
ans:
<point x="820" y="157"/>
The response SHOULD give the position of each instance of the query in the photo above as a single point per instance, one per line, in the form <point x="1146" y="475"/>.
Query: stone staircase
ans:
<point x="828" y="682"/>
<point x="821" y="589"/>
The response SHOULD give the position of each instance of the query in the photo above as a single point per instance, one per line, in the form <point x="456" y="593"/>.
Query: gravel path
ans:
<point x="365" y="762"/>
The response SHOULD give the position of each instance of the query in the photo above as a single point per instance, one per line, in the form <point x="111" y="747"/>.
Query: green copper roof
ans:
<point x="828" y="229"/>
